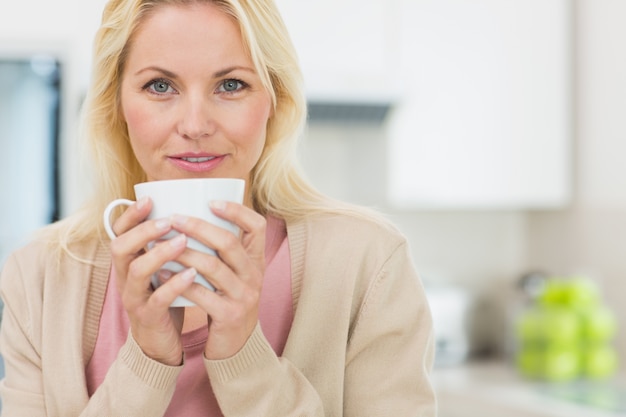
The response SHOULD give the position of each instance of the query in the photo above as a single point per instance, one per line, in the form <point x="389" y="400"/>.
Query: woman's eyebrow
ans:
<point x="228" y="70"/>
<point x="165" y="72"/>
<point x="217" y="74"/>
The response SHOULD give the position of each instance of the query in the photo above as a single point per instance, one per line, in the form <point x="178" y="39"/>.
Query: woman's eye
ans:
<point x="230" y="86"/>
<point x="159" y="86"/>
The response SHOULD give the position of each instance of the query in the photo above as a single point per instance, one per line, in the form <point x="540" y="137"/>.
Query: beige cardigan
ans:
<point x="361" y="343"/>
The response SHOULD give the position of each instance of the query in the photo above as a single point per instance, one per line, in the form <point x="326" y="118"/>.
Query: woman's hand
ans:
<point x="236" y="273"/>
<point x="155" y="326"/>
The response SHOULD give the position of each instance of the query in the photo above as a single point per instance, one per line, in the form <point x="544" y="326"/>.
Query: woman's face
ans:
<point x="193" y="102"/>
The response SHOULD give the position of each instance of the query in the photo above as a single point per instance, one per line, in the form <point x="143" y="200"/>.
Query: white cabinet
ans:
<point x="480" y="93"/>
<point x="485" y="119"/>
<point x="343" y="46"/>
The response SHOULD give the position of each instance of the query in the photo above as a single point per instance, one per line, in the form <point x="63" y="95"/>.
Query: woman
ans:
<point x="318" y="309"/>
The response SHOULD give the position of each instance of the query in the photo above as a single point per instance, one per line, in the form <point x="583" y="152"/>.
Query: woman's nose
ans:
<point x="196" y="118"/>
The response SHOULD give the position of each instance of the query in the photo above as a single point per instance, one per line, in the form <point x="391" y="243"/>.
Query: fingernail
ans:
<point x="163" y="224"/>
<point x="218" y="205"/>
<point x="142" y="202"/>
<point x="178" y="241"/>
<point x="165" y="274"/>
<point x="179" y="219"/>
<point x="189" y="274"/>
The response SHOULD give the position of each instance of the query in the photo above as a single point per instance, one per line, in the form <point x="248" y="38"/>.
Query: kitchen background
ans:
<point x="490" y="131"/>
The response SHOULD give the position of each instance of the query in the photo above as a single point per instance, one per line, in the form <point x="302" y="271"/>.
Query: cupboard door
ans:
<point x="485" y="118"/>
<point x="343" y="46"/>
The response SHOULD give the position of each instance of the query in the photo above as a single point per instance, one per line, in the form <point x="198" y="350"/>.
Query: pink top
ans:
<point x="193" y="395"/>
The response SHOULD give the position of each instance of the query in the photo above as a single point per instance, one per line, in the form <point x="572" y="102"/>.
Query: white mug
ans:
<point x="188" y="197"/>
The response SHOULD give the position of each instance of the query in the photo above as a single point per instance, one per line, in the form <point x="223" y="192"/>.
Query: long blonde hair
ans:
<point x="277" y="184"/>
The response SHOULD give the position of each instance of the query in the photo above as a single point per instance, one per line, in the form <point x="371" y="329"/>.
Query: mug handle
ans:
<point x="107" y="214"/>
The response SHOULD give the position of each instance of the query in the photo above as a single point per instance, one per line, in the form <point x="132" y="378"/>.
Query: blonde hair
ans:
<point x="277" y="185"/>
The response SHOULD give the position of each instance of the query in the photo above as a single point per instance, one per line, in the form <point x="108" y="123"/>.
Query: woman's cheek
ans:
<point x="143" y="125"/>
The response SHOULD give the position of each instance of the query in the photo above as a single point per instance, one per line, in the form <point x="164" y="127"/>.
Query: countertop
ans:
<point x="494" y="388"/>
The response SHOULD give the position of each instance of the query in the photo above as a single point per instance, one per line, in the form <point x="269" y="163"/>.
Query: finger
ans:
<point x="214" y="271"/>
<point x="248" y="221"/>
<point x="132" y="216"/>
<point x="126" y="248"/>
<point x="235" y="251"/>
<point x="251" y="224"/>
<point x="231" y="321"/>
<point x="141" y="269"/>
<point x="228" y="247"/>
<point x="136" y="239"/>
<point x="203" y="297"/>
<point x="172" y="286"/>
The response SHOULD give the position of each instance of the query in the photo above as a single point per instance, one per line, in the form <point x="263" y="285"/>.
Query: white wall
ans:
<point x="468" y="248"/>
<point x="69" y="23"/>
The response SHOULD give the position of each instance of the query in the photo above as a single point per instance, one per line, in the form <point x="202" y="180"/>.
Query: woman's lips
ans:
<point x="199" y="160"/>
<point x="196" y="163"/>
